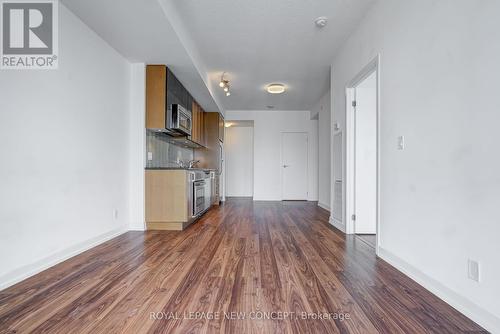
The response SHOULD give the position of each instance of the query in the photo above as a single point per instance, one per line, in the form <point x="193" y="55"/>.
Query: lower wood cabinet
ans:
<point x="167" y="197"/>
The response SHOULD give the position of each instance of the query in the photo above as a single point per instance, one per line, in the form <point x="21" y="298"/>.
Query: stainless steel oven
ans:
<point x="179" y="119"/>
<point x="199" y="197"/>
<point x="200" y="192"/>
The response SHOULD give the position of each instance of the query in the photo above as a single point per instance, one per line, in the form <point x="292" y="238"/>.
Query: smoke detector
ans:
<point x="321" y="21"/>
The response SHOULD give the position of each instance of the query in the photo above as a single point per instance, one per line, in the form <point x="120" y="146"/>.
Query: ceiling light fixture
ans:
<point x="224" y="84"/>
<point x="275" y="88"/>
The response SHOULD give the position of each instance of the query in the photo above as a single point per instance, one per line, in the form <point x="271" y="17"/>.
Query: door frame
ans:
<point x="372" y="67"/>
<point x="307" y="162"/>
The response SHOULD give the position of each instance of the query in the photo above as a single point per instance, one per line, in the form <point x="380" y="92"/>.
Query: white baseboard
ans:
<point x="139" y="226"/>
<point x="481" y="316"/>
<point x="337" y="223"/>
<point x="267" y="199"/>
<point x="137" y="229"/>
<point x="324" y="206"/>
<point x="22" y="273"/>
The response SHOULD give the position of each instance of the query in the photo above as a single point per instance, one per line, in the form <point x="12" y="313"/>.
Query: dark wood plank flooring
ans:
<point x="278" y="265"/>
<point x="368" y="238"/>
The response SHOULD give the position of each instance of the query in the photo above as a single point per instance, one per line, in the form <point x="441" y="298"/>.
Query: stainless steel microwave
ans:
<point x="179" y="119"/>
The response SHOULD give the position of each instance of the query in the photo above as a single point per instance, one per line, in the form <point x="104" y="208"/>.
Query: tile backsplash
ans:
<point x="165" y="153"/>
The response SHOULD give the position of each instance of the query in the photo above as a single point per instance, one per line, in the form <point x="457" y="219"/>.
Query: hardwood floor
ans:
<point x="368" y="238"/>
<point x="247" y="258"/>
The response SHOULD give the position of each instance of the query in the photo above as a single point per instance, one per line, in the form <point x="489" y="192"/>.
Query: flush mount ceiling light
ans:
<point x="275" y="88"/>
<point x="224" y="84"/>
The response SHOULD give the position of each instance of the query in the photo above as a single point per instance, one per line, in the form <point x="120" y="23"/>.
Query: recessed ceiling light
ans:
<point x="276" y="88"/>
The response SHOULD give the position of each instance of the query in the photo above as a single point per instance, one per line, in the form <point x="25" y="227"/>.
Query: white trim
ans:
<point x="372" y="67"/>
<point x="349" y="162"/>
<point x="324" y="206"/>
<point x="481" y="316"/>
<point x="137" y="147"/>
<point x="21" y="274"/>
<point x="137" y="229"/>
<point x="306" y="159"/>
<point x="337" y="224"/>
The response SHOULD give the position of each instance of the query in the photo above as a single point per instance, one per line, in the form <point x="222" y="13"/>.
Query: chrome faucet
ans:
<point x="193" y="163"/>
<point x="179" y="163"/>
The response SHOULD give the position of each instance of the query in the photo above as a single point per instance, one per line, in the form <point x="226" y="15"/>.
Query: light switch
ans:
<point x="473" y="270"/>
<point x="401" y="142"/>
<point x="150" y="156"/>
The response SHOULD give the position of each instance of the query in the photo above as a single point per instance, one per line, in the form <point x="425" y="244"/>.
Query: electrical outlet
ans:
<point x="401" y="142"/>
<point x="473" y="270"/>
<point x="150" y="156"/>
<point x="115" y="214"/>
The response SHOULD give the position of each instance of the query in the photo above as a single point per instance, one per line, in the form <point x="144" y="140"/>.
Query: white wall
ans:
<point x="268" y="126"/>
<point x="439" y="88"/>
<point x="323" y="110"/>
<point x="238" y="143"/>
<point x="64" y="150"/>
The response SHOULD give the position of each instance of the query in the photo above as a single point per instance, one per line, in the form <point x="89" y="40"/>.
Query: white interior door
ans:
<point x="294" y="165"/>
<point x="365" y="174"/>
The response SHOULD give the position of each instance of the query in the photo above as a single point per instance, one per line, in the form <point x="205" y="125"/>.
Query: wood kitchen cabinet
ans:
<point x="156" y="96"/>
<point x="209" y="155"/>
<point x="164" y="89"/>
<point x="166" y="199"/>
<point x="198" y="121"/>
<point x="221" y="128"/>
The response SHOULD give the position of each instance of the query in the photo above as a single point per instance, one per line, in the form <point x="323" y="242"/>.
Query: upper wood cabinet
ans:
<point x="164" y="89"/>
<point x="209" y="155"/>
<point x="198" y="132"/>
<point x="156" y="96"/>
<point x="221" y="128"/>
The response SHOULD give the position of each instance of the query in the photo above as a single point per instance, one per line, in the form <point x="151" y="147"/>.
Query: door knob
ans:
<point x="285" y="166"/>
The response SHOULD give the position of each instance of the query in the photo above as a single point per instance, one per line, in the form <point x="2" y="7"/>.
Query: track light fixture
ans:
<point x="224" y="84"/>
